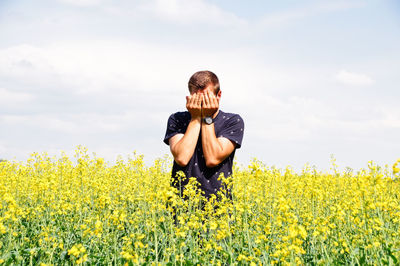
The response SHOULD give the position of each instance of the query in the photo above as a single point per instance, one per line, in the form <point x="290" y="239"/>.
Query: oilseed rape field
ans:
<point x="83" y="210"/>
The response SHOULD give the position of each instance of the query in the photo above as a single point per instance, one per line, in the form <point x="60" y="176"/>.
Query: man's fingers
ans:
<point x="199" y="99"/>
<point x="194" y="98"/>
<point x="216" y="101"/>
<point x="212" y="99"/>
<point x="187" y="101"/>
<point x="206" y="99"/>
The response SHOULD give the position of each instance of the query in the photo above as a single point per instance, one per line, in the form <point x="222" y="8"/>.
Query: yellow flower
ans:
<point x="2" y="229"/>
<point x="241" y="257"/>
<point x="82" y="259"/>
<point x="139" y="244"/>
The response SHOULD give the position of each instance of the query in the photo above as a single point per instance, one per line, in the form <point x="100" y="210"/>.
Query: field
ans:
<point x="84" y="210"/>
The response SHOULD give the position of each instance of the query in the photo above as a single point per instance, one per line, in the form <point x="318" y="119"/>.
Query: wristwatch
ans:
<point x="208" y="120"/>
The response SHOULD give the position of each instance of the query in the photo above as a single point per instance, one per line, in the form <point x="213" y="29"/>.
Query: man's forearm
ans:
<point x="212" y="148"/>
<point x="183" y="150"/>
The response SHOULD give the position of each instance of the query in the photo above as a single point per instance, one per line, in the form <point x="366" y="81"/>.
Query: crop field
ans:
<point x="83" y="210"/>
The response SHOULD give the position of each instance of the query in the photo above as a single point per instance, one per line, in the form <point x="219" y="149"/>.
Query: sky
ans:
<point x="311" y="79"/>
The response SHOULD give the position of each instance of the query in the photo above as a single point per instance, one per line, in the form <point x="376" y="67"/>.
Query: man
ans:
<point x="203" y="139"/>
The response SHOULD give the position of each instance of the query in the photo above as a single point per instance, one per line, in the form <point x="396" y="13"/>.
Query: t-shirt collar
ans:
<point x="218" y="115"/>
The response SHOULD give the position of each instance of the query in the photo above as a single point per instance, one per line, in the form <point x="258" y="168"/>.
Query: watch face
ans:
<point x="208" y="120"/>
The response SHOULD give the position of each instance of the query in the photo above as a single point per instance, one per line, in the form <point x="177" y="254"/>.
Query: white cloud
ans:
<point x="89" y="66"/>
<point x="27" y="64"/>
<point x="391" y="117"/>
<point x="82" y="2"/>
<point x="176" y="11"/>
<point x="192" y="11"/>
<point x="3" y="149"/>
<point x="291" y="119"/>
<point x="132" y="72"/>
<point x="71" y="124"/>
<point x="8" y="97"/>
<point x="129" y="67"/>
<point x="288" y="16"/>
<point x="352" y="78"/>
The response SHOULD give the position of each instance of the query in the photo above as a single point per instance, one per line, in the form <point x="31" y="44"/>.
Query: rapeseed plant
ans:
<point x="86" y="211"/>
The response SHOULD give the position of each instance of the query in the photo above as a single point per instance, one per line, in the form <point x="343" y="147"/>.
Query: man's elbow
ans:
<point x="182" y="162"/>
<point x="210" y="163"/>
<point x="180" y="158"/>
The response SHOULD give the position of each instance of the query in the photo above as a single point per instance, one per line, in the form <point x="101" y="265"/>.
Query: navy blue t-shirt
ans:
<point x="227" y="125"/>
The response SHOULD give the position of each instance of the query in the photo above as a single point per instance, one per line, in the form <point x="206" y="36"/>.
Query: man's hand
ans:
<point x="210" y="104"/>
<point x="193" y="105"/>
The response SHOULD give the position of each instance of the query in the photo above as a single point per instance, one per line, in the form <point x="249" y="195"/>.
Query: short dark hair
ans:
<point x="201" y="79"/>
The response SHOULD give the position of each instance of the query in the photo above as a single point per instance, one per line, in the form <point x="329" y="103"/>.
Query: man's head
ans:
<point x="201" y="80"/>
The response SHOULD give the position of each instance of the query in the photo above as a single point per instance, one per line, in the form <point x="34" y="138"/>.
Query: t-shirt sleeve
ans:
<point x="233" y="130"/>
<point x="174" y="126"/>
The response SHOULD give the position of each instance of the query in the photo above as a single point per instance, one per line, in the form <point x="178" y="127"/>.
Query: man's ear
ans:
<point x="219" y="95"/>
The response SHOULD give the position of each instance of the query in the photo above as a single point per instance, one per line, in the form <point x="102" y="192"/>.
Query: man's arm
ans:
<point x="183" y="145"/>
<point x="215" y="149"/>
